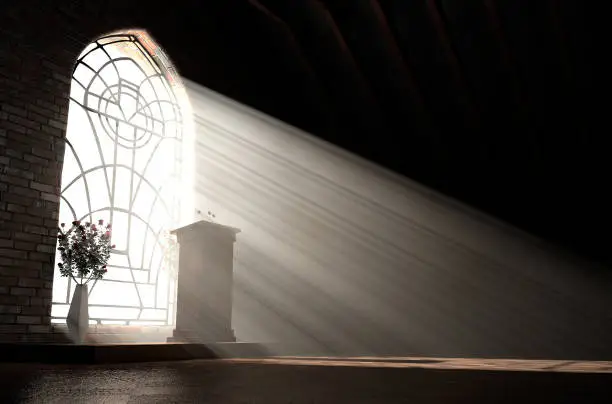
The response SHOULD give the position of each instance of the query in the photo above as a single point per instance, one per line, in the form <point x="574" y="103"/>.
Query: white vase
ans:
<point x="78" y="315"/>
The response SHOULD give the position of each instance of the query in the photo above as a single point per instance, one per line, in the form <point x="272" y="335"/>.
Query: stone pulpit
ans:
<point x="205" y="283"/>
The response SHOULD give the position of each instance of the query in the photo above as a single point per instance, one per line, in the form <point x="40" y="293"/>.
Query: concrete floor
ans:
<point x="315" y="380"/>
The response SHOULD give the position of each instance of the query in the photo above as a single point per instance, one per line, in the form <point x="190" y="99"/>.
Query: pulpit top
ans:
<point x="205" y="227"/>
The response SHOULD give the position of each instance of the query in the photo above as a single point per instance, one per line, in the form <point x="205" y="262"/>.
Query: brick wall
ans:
<point x="33" y="115"/>
<point x="35" y="65"/>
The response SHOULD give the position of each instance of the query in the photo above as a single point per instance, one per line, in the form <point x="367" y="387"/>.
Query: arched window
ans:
<point x="123" y="164"/>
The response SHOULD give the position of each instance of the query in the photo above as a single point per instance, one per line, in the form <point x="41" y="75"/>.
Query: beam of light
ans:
<point x="338" y="255"/>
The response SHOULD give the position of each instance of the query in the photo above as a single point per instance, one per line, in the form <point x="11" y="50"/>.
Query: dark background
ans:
<point x="494" y="102"/>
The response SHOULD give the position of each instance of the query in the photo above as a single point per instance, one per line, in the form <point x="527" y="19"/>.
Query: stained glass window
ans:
<point x="123" y="165"/>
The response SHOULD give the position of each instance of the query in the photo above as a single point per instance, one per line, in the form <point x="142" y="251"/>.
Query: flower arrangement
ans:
<point x="84" y="250"/>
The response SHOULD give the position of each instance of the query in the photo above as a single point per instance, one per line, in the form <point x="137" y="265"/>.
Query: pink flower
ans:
<point x="107" y="234"/>
<point x="100" y="222"/>
<point x="113" y="246"/>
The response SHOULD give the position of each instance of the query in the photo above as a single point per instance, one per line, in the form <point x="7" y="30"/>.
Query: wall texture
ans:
<point x="34" y="85"/>
<point x="339" y="255"/>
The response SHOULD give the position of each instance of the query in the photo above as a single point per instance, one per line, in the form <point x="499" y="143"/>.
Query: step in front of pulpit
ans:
<point x="199" y="337"/>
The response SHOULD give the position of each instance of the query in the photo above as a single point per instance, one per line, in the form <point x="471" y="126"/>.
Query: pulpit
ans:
<point x="205" y="283"/>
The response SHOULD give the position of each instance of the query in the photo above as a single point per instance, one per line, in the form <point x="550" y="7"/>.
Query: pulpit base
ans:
<point x="199" y="337"/>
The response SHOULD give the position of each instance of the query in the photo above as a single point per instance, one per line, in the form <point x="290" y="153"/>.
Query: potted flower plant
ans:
<point x="84" y="252"/>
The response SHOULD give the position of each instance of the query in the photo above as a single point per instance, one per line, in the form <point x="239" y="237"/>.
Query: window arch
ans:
<point x="123" y="164"/>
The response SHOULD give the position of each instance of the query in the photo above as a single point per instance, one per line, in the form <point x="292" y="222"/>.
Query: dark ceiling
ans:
<point x="493" y="102"/>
